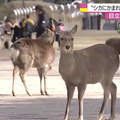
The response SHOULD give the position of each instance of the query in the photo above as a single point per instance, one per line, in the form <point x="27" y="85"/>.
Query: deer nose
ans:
<point x="67" y="47"/>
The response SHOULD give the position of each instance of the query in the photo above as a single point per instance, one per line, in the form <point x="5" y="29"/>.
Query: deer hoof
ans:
<point x="13" y="94"/>
<point x="42" y="92"/>
<point x="100" y="117"/>
<point x="29" y="94"/>
<point x="46" y="93"/>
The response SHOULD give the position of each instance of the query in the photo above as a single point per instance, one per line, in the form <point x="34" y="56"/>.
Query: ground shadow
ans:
<point x="49" y="108"/>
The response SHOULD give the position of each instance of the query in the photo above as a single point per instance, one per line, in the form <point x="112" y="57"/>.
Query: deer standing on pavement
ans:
<point x="78" y="68"/>
<point x="37" y="53"/>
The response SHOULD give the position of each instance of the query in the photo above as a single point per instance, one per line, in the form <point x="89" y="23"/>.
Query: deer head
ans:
<point x="66" y="40"/>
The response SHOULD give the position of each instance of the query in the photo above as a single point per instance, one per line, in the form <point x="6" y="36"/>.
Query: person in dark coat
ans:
<point x="43" y="20"/>
<point x="59" y="26"/>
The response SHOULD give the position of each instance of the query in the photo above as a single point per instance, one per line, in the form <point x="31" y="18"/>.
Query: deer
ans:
<point x="97" y="63"/>
<point x="38" y="53"/>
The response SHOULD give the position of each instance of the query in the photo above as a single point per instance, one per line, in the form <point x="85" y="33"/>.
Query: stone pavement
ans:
<point x="52" y="107"/>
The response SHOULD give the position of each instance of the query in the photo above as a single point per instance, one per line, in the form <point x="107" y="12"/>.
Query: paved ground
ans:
<point x="52" y="107"/>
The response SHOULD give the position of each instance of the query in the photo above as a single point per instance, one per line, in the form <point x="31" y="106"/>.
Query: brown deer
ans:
<point x="94" y="64"/>
<point x="37" y="53"/>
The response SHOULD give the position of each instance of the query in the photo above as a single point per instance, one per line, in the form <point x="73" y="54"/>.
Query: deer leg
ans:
<point x="40" y="72"/>
<point x="22" y="73"/>
<point x="15" y="70"/>
<point x="106" y="97"/>
<point x="45" y="85"/>
<point x="70" y="91"/>
<point x="113" y="90"/>
<point x="45" y="70"/>
<point x="81" y="91"/>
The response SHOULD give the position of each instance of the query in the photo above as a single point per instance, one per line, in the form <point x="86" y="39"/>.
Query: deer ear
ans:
<point x="49" y="32"/>
<point x="74" y="30"/>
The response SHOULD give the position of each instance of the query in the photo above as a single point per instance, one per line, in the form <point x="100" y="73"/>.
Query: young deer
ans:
<point x="94" y="64"/>
<point x="37" y="53"/>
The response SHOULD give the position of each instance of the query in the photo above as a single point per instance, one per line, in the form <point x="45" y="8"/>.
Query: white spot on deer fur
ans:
<point x="15" y="53"/>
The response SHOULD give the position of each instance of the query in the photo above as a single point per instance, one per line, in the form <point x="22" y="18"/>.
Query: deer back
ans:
<point x="41" y="52"/>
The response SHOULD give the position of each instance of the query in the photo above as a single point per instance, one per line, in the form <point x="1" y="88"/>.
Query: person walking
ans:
<point x="43" y="20"/>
